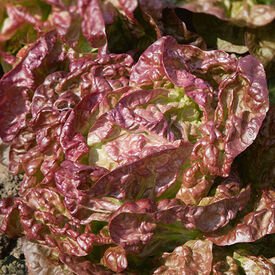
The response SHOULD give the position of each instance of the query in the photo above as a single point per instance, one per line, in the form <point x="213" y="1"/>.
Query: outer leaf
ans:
<point x="254" y="225"/>
<point x="22" y="23"/>
<point x="10" y="224"/>
<point x="254" y="265"/>
<point x="228" y="266"/>
<point x="27" y="75"/>
<point x="42" y="133"/>
<point x="138" y="227"/>
<point x="94" y="26"/>
<point x="88" y="25"/>
<point x="258" y="162"/>
<point x="230" y="259"/>
<point x="81" y="266"/>
<point x="115" y="259"/>
<point x="256" y="165"/>
<point x="37" y="260"/>
<point x="194" y="257"/>
<point x="22" y="17"/>
<point x="43" y="218"/>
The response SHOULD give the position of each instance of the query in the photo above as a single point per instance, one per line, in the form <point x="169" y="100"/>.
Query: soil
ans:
<point x="10" y="249"/>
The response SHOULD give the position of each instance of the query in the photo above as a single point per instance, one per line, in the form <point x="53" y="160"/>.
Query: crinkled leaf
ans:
<point x="108" y="29"/>
<point x="115" y="259"/>
<point x="74" y="182"/>
<point x="147" y="177"/>
<point x="216" y="77"/>
<point x="139" y="232"/>
<point x="41" y="59"/>
<point x="227" y="266"/>
<point x="194" y="257"/>
<point x="22" y="23"/>
<point x="139" y="226"/>
<point x="94" y="26"/>
<point x="107" y="146"/>
<point x="252" y="227"/>
<point x="82" y="266"/>
<point x="254" y="265"/>
<point x="43" y="218"/>
<point x="257" y="164"/>
<point x="37" y="260"/>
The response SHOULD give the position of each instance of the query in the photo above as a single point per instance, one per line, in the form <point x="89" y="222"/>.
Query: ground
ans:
<point x="11" y="255"/>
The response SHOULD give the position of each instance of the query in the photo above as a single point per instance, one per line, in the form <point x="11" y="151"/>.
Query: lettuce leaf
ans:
<point x="134" y="164"/>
